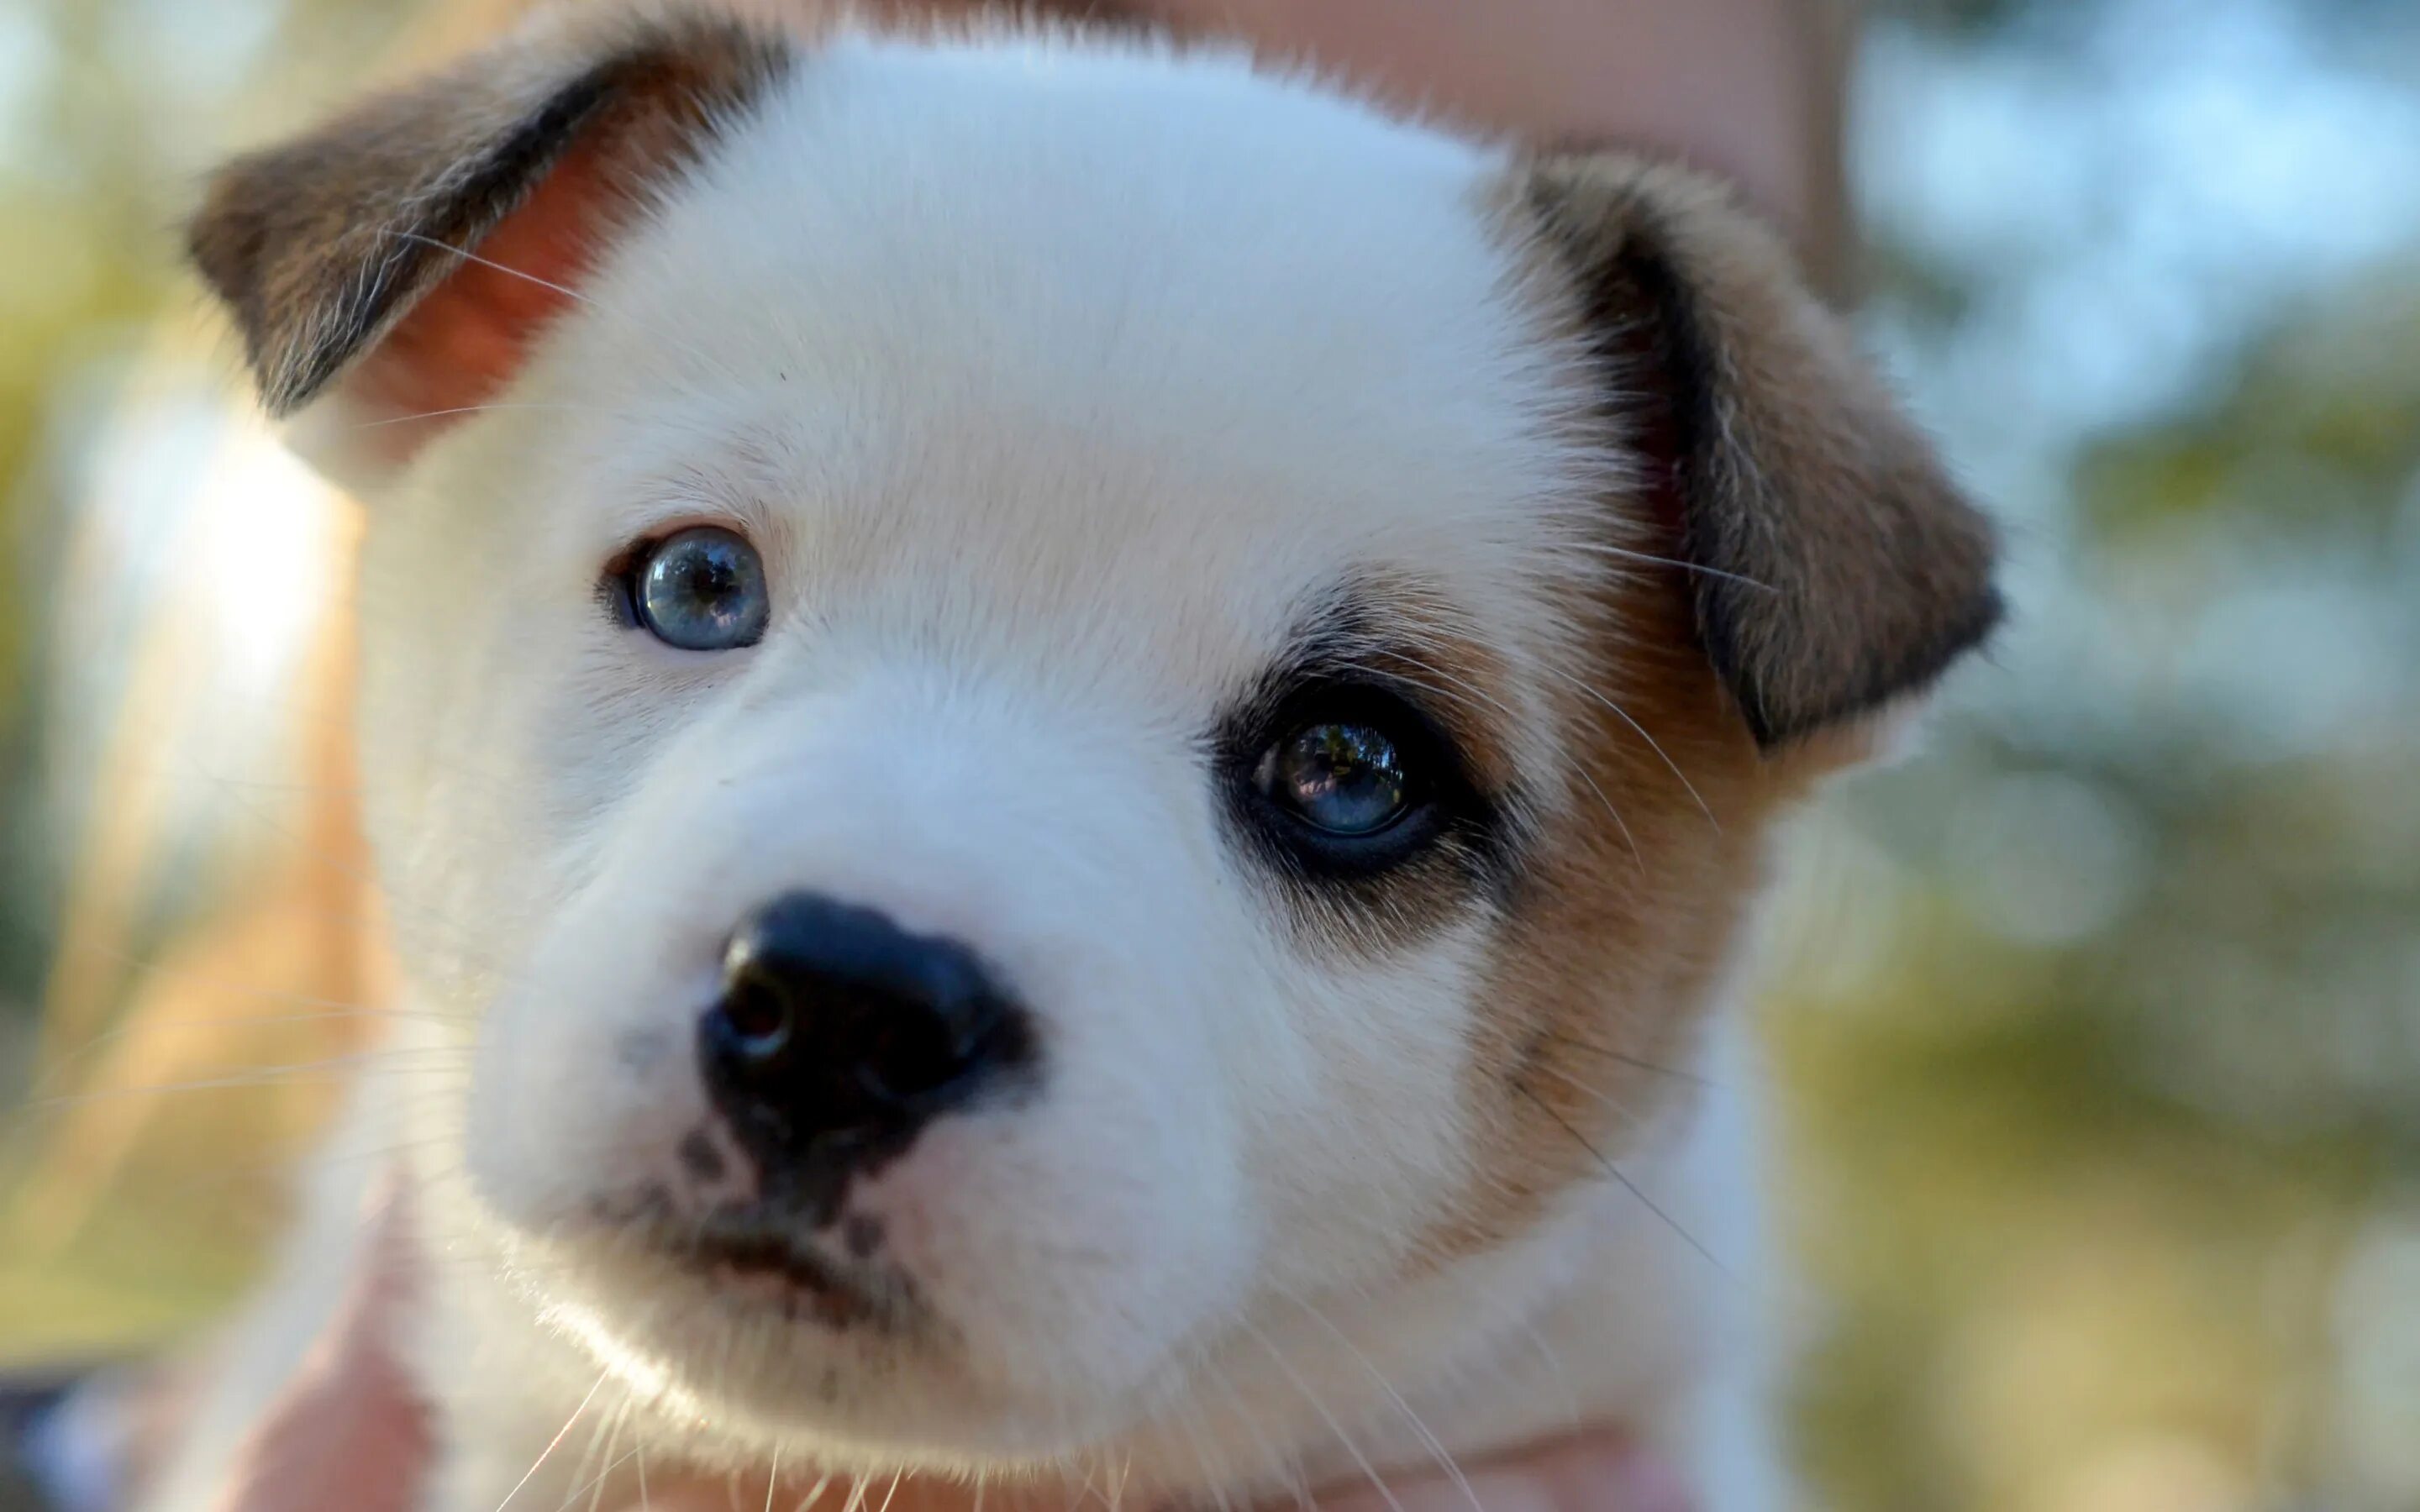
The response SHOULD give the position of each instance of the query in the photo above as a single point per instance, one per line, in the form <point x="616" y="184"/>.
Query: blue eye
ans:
<point x="701" y="590"/>
<point x="1343" y="778"/>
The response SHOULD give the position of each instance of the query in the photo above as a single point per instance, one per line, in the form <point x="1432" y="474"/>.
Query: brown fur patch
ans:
<point x="1621" y="929"/>
<point x="322" y="246"/>
<point x="1764" y="450"/>
<point x="527" y="153"/>
<point x="1841" y="566"/>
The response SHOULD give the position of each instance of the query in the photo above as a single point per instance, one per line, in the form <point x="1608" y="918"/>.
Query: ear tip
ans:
<point x="224" y="236"/>
<point x="288" y="237"/>
<point x="1780" y="717"/>
<point x="282" y="393"/>
<point x="226" y="241"/>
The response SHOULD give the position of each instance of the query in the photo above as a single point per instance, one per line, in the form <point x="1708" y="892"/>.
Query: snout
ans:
<point x="875" y="1083"/>
<point x="838" y="1036"/>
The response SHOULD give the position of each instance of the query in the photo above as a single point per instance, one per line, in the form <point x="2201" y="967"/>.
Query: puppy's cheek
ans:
<point x="584" y="1085"/>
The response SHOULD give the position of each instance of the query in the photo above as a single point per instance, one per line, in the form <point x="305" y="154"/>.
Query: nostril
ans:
<point x="755" y="1010"/>
<point x="907" y="1056"/>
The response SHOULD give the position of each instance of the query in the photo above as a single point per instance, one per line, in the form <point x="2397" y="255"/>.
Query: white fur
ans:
<point x="1055" y="384"/>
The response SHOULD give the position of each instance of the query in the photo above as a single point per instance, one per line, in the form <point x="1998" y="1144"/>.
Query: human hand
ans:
<point x="1748" y="89"/>
<point x="349" y="1431"/>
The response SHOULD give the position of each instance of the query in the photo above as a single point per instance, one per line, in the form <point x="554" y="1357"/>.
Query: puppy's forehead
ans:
<point x="1099" y="321"/>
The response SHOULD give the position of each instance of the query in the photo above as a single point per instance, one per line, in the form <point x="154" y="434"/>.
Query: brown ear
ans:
<point x="342" y="254"/>
<point x="1840" y="568"/>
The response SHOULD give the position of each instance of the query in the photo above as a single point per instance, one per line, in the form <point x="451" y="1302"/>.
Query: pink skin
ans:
<point x="347" y="1431"/>
<point x="1743" y="88"/>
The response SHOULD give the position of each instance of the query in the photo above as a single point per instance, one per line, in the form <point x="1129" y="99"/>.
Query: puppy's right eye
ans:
<point x="702" y="588"/>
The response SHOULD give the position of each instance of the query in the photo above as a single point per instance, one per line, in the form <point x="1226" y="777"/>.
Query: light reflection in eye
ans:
<point x="1343" y="778"/>
<point x="703" y="589"/>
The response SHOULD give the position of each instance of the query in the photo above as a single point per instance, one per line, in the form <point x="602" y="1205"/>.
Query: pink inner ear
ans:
<point x="463" y="342"/>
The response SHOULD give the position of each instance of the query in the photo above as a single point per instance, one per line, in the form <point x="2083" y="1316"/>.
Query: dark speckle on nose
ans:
<point x="640" y="1049"/>
<point x="699" y="1157"/>
<point x="861" y="1233"/>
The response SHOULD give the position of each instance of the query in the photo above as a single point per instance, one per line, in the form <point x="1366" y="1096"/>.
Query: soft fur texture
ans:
<point x="1075" y="387"/>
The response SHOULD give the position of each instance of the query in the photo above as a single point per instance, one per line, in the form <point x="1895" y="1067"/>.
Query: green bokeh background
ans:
<point x="2099" y="1018"/>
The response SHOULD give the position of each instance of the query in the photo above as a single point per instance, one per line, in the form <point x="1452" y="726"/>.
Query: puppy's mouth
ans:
<point x="758" y="1257"/>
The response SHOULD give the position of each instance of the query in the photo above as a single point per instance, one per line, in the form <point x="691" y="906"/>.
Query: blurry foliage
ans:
<point x="2068" y="1199"/>
<point x="2099" y="1022"/>
<point x="1960" y="16"/>
<point x="2319" y="429"/>
<point x="109" y="109"/>
<point x="1990" y="21"/>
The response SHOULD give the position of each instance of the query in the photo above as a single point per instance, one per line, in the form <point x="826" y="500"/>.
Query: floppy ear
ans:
<point x="345" y="256"/>
<point x="1841" y="570"/>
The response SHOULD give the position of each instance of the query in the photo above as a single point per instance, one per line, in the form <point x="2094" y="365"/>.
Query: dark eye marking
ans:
<point x="1339" y="771"/>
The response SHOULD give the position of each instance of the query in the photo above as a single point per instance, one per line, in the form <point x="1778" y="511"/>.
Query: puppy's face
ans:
<point x="1050" y="700"/>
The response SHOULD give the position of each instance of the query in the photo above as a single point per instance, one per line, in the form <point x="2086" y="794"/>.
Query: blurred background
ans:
<point x="2100" y="1020"/>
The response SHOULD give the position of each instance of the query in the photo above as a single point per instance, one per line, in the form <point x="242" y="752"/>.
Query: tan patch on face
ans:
<point x="1625" y="922"/>
<point x="1412" y="640"/>
<point x="1819" y="567"/>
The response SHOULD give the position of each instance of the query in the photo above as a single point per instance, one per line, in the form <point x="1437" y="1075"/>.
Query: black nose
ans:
<point x="839" y="1035"/>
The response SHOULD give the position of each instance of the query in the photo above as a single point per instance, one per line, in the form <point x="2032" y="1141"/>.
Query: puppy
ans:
<point x="1071" y="740"/>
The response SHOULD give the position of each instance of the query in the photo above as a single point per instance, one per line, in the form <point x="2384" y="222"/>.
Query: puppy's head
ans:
<point x="1038" y="701"/>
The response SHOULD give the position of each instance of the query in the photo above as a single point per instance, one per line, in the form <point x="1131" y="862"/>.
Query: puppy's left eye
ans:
<point x="702" y="588"/>
<point x="1347" y="778"/>
<point x="1353" y="781"/>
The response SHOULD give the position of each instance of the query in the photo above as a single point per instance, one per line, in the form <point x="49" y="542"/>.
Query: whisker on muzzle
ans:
<point x="1327" y="1415"/>
<point x="1606" y="1162"/>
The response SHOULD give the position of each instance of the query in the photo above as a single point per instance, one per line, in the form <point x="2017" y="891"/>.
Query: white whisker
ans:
<point x="384" y="421"/>
<point x="1650" y="559"/>
<point x="1385" y="1493"/>
<point x="555" y="1443"/>
<point x="1429" y="1441"/>
<point x="1640" y="729"/>
<point x="1574" y="766"/>
<point x="596" y="1489"/>
<point x="1620" y="1175"/>
<point x="668" y="338"/>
